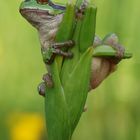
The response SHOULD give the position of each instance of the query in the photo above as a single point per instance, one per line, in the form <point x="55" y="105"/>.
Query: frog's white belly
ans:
<point x="48" y="28"/>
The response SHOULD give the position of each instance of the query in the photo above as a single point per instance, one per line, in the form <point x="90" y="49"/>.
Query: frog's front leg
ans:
<point x="49" y="53"/>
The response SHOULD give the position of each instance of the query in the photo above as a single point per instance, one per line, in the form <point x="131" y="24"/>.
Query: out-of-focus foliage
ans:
<point x="113" y="108"/>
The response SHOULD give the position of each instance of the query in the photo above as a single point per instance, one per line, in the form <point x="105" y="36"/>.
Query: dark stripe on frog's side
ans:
<point x="56" y="6"/>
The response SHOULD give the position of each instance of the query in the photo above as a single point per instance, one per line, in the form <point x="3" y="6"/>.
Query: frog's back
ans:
<point x="48" y="28"/>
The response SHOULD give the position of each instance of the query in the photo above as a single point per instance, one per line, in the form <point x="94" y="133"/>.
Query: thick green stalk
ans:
<point x="64" y="103"/>
<point x="57" y="115"/>
<point x="79" y="66"/>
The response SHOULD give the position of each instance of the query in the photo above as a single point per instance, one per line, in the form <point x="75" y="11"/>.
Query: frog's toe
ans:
<point x="42" y="89"/>
<point x="63" y="53"/>
<point x="111" y="39"/>
<point x="120" y="51"/>
<point x="97" y="41"/>
<point x="48" y="80"/>
<point x="66" y="44"/>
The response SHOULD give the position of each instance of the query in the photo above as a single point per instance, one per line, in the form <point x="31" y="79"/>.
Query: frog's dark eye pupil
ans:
<point x="42" y="1"/>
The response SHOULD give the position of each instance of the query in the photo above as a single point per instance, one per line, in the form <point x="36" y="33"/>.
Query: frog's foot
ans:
<point x="120" y="50"/>
<point x="112" y="40"/>
<point x="48" y="80"/>
<point x="47" y="83"/>
<point x="81" y="10"/>
<point x="97" y="41"/>
<point x="42" y="89"/>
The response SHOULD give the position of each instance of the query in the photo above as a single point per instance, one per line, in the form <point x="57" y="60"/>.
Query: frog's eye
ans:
<point x="27" y="0"/>
<point x="42" y="1"/>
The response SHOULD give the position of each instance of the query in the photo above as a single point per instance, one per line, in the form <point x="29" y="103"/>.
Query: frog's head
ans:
<point x="39" y="11"/>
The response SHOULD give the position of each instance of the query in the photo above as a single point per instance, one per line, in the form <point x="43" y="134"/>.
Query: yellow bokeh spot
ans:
<point x="26" y="127"/>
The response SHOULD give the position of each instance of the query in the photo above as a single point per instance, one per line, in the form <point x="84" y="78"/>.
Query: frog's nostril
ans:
<point x="42" y="1"/>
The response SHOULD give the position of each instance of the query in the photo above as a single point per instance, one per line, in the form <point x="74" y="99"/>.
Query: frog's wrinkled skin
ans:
<point x="100" y="69"/>
<point x="46" y="18"/>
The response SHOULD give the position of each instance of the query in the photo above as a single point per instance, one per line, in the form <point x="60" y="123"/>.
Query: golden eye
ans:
<point x="42" y="1"/>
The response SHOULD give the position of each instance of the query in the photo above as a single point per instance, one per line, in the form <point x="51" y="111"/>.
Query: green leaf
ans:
<point x="76" y="87"/>
<point x="108" y="51"/>
<point x="87" y="31"/>
<point x="65" y="29"/>
<point x="57" y="116"/>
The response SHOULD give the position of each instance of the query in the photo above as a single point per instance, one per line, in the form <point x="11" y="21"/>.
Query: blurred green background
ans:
<point x="113" y="109"/>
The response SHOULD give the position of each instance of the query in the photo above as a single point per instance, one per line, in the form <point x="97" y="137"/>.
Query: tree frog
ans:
<point x="101" y="67"/>
<point x="46" y="17"/>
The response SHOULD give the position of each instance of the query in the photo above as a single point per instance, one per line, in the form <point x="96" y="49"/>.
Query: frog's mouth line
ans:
<point x="37" y="11"/>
